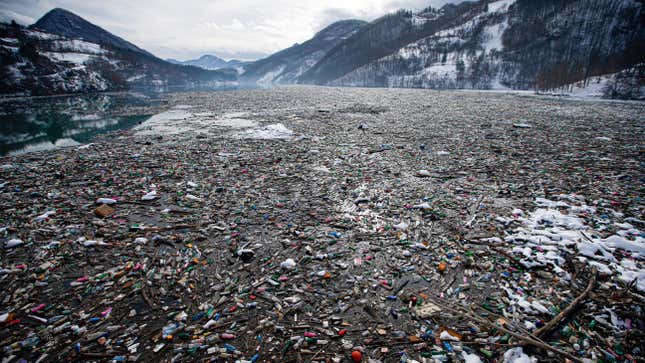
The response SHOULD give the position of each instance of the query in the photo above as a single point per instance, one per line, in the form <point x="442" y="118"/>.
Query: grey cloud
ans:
<point x="417" y="4"/>
<point x="331" y="15"/>
<point x="246" y="29"/>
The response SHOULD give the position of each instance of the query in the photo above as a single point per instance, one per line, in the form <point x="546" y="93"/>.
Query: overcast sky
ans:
<point x="185" y="29"/>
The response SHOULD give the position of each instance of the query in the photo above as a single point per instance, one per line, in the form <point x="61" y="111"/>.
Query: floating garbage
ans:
<point x="268" y="227"/>
<point x="150" y="195"/>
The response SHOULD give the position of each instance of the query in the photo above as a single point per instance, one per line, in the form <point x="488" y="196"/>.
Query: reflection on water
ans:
<point x="36" y="124"/>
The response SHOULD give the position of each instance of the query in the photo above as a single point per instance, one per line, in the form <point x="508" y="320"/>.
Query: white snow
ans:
<point x="500" y="6"/>
<point x="135" y="78"/>
<point x="444" y="74"/>
<point x="13" y="49"/>
<point x="269" y="132"/>
<point x="470" y="358"/>
<point x="76" y="58"/>
<point x="516" y="355"/>
<point x="268" y="77"/>
<point x="78" y="46"/>
<point x="593" y="88"/>
<point x="419" y="20"/>
<point x="439" y="69"/>
<point x="288" y="264"/>
<point x="165" y="123"/>
<point x="171" y="115"/>
<point x="42" y="35"/>
<point x="181" y="121"/>
<point x="235" y="120"/>
<point x="572" y="227"/>
<point x="586" y="90"/>
<point x="9" y="40"/>
<point x="493" y="36"/>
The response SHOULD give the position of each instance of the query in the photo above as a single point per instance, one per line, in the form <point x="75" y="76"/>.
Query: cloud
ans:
<point x="246" y="29"/>
<point x="7" y="15"/>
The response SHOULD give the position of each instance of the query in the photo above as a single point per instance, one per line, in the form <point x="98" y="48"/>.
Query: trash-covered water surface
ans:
<point x="306" y="224"/>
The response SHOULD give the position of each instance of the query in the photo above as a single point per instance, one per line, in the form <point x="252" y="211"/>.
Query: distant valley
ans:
<point x="212" y="62"/>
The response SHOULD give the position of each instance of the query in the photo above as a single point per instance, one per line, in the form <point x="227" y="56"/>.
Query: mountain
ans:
<point x="206" y="61"/>
<point x="289" y="64"/>
<point x="212" y="62"/>
<point x="383" y="37"/>
<point x="485" y="44"/>
<point x="523" y="44"/>
<point x="65" y="23"/>
<point x="62" y="53"/>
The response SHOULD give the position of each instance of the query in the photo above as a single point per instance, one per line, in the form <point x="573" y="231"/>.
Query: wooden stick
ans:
<point x="533" y="342"/>
<point x="525" y="339"/>
<point x="151" y="305"/>
<point x="548" y="327"/>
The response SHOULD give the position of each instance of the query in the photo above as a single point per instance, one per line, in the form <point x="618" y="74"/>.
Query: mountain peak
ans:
<point x="210" y="56"/>
<point x="63" y="22"/>
<point x="339" y="27"/>
<point x="210" y="62"/>
<point x="56" y="12"/>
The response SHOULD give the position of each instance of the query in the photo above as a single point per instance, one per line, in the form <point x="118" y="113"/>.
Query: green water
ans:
<point x="35" y="124"/>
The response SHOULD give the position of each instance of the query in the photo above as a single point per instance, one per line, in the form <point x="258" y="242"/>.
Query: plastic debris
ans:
<point x="439" y="233"/>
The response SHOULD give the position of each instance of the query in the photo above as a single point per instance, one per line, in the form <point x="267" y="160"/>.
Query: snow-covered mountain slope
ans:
<point x="212" y="62"/>
<point x="62" y="22"/>
<point x="34" y="62"/>
<point x="449" y="58"/>
<point x="385" y="36"/>
<point x="289" y="64"/>
<point x="519" y="44"/>
<point x="628" y="84"/>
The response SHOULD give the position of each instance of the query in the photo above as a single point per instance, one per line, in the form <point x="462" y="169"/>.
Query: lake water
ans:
<point x="43" y="123"/>
<point x="35" y="124"/>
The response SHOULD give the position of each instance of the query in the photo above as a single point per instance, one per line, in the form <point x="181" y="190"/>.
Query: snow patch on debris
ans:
<point x="516" y="355"/>
<point x="181" y="120"/>
<point x="366" y="219"/>
<point x="569" y="226"/>
<point x="165" y="123"/>
<point x="269" y="132"/>
<point x="235" y="120"/>
<point x="470" y="358"/>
